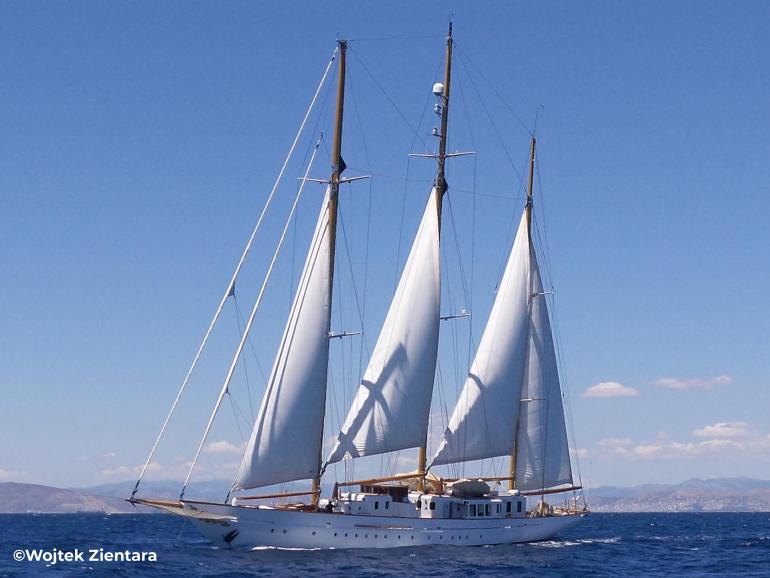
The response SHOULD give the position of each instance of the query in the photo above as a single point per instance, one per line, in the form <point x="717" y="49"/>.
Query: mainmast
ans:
<point x="338" y="166"/>
<point x="528" y="211"/>
<point x="440" y="189"/>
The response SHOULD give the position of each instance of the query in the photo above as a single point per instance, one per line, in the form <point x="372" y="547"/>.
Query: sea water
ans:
<point x="627" y="545"/>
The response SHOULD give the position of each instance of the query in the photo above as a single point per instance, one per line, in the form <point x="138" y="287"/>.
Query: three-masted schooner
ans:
<point x="510" y="405"/>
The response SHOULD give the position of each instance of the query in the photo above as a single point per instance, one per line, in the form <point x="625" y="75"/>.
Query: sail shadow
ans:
<point x="375" y="406"/>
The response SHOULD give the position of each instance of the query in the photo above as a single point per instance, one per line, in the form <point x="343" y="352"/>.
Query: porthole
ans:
<point x="313" y="532"/>
<point x="272" y="530"/>
<point x="284" y="531"/>
<point x="335" y="533"/>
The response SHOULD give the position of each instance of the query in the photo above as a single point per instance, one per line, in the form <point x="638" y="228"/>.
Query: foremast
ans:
<point x="338" y="165"/>
<point x="286" y="442"/>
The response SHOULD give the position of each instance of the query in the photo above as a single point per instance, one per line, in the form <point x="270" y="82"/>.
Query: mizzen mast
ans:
<point x="528" y="211"/>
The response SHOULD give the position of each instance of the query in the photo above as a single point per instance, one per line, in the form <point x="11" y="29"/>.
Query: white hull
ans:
<point x="247" y="527"/>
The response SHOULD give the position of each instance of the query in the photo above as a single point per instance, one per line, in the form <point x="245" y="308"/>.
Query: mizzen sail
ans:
<point x="542" y="450"/>
<point x="483" y="423"/>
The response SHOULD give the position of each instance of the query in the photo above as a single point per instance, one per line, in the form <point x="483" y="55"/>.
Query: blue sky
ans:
<point x="139" y="141"/>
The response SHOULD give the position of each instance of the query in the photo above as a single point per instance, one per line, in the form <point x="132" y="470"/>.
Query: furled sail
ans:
<point x="542" y="451"/>
<point x="391" y="408"/>
<point x="285" y="444"/>
<point x="483" y="423"/>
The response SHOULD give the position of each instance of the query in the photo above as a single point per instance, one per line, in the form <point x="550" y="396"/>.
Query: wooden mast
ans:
<point x="528" y="210"/>
<point x="439" y="190"/>
<point x="338" y="165"/>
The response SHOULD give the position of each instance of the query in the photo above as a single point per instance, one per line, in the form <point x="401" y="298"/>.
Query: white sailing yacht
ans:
<point x="510" y="405"/>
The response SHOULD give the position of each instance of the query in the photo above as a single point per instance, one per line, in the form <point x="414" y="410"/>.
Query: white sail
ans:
<point x="483" y="423"/>
<point x="542" y="451"/>
<point x="390" y="410"/>
<point x="285" y="444"/>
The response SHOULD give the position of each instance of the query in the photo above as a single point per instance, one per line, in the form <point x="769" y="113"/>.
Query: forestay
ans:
<point x="285" y="444"/>
<point x="390" y="410"/>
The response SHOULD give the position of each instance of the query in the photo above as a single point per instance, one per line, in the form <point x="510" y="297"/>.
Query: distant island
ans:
<point x="713" y="495"/>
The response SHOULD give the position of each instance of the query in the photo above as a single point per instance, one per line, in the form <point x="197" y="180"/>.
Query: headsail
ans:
<point x="542" y="450"/>
<point x="391" y="408"/>
<point x="292" y="411"/>
<point x="483" y="423"/>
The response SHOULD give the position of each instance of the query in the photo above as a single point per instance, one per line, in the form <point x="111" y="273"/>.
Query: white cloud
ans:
<point x="10" y="474"/>
<point x="723" y="429"/>
<point x="693" y="382"/>
<point x="223" y="447"/>
<point x="726" y="439"/>
<point x="610" y="389"/>
<point x="613" y="443"/>
<point x="581" y="453"/>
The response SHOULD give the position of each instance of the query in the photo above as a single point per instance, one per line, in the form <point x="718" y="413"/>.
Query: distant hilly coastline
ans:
<point x="714" y="495"/>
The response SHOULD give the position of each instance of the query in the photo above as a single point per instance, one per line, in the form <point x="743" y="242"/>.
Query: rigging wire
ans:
<point x="566" y="395"/>
<point x="368" y="221"/>
<point x="495" y="91"/>
<point x="247" y="328"/>
<point x="239" y="319"/>
<point x="388" y="97"/>
<point x="494" y="126"/>
<point x="231" y="284"/>
<point x="382" y="38"/>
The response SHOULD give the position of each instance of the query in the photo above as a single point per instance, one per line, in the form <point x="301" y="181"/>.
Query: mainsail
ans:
<point x="391" y="408"/>
<point x="483" y="423"/>
<point x="285" y="444"/>
<point x="542" y="451"/>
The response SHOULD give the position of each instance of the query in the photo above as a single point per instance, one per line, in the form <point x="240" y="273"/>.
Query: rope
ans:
<point x="231" y="285"/>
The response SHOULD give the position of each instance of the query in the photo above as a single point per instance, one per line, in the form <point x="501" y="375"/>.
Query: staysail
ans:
<point x="391" y="408"/>
<point x="483" y="423"/>
<point x="292" y="411"/>
<point x="542" y="450"/>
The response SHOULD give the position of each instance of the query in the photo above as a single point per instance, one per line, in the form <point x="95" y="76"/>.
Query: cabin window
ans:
<point x="376" y="505"/>
<point x="473" y="509"/>
<point x="481" y="509"/>
<point x="507" y="507"/>
<point x="498" y="508"/>
<point x="433" y="505"/>
<point x="518" y="507"/>
<point x="387" y="505"/>
<point x="486" y="508"/>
